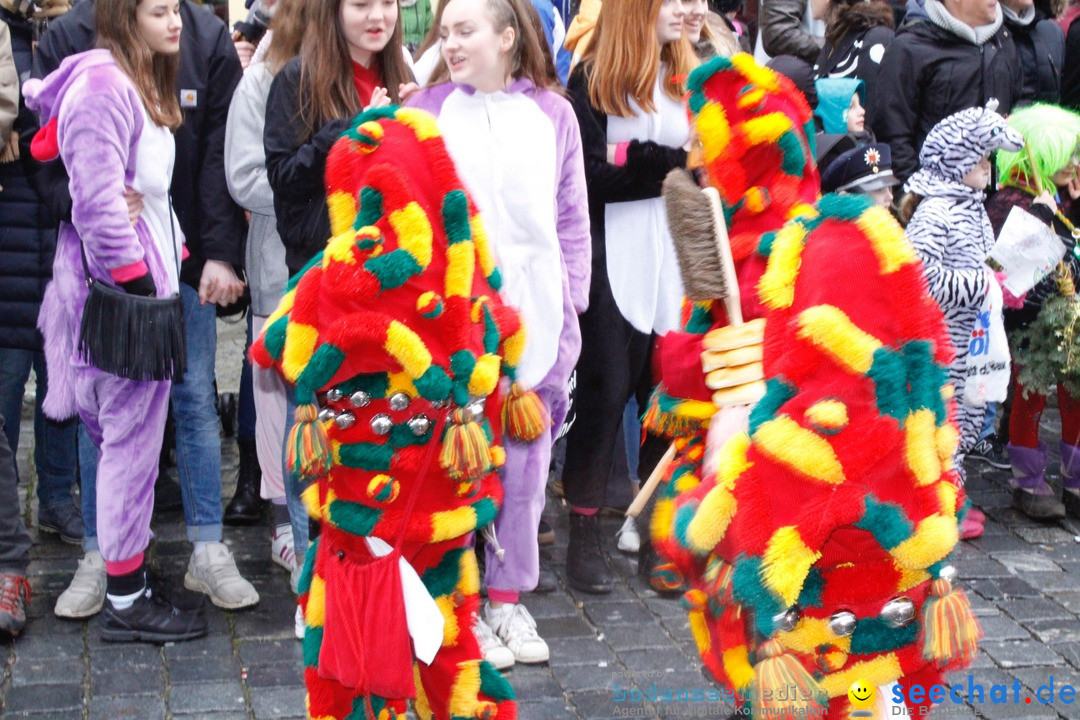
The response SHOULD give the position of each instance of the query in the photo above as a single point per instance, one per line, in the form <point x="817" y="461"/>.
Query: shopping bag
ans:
<point x="987" y="372"/>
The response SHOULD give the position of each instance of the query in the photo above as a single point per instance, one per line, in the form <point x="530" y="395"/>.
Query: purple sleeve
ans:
<point x="572" y="223"/>
<point x="431" y="98"/>
<point x="95" y="133"/>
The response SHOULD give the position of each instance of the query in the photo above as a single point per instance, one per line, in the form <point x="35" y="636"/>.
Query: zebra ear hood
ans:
<point x="956" y="144"/>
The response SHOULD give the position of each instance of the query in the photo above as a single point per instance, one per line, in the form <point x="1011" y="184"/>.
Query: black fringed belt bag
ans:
<point x="133" y="336"/>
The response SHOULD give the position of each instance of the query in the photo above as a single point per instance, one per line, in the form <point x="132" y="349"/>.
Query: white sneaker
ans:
<point x="215" y="574"/>
<point x="298" y="623"/>
<point x="517" y="629"/>
<point x="86" y="593"/>
<point x="491" y="647"/>
<point x="294" y="579"/>
<point x="629" y="539"/>
<point x="281" y="547"/>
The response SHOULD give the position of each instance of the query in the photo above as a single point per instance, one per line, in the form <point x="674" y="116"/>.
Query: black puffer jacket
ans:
<point x="929" y="73"/>
<point x="1041" y="47"/>
<point x="214" y="227"/>
<point x="27" y="229"/>
<point x="1070" y="76"/>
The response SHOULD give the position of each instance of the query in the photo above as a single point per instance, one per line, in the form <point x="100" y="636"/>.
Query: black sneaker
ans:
<point x="991" y="452"/>
<point x="151" y="619"/>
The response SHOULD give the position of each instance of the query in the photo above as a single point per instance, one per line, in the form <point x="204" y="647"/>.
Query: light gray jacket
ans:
<point x="245" y="173"/>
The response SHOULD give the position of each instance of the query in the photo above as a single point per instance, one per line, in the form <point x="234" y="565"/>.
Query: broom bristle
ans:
<point x="694" y="231"/>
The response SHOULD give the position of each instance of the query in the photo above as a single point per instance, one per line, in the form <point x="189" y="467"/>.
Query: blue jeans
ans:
<point x="298" y="514"/>
<point x="989" y="421"/>
<point x="198" y="433"/>
<point x="54" y="442"/>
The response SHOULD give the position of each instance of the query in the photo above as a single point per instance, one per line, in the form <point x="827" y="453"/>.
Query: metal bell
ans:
<point x="842" y="623"/>
<point x="326" y="414"/>
<point x="419" y="425"/>
<point x="475" y="410"/>
<point x="381" y="424"/>
<point x="333" y="395"/>
<point x="898" y="612"/>
<point x="948" y="573"/>
<point x="345" y="420"/>
<point x="786" y="621"/>
<point x="399" y="401"/>
<point x="359" y="399"/>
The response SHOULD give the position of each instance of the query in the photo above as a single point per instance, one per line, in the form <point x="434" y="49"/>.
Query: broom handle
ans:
<point x="650" y="485"/>
<point x="1032" y="175"/>
<point x="732" y="301"/>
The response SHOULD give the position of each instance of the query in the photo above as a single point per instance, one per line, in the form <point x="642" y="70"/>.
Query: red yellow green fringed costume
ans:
<point x="398" y="328"/>
<point x="816" y="552"/>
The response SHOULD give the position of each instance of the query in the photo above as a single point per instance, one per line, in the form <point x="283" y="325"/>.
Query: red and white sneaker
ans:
<point x="281" y="547"/>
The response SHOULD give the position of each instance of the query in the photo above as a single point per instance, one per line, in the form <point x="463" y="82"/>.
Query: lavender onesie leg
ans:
<point x="126" y="420"/>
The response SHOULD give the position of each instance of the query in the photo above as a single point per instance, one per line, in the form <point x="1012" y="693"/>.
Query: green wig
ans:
<point x="1053" y="136"/>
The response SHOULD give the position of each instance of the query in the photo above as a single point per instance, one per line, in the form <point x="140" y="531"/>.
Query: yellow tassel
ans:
<point x="782" y="687"/>
<point x="524" y="416"/>
<point x="951" y="633"/>
<point x="307" y="449"/>
<point x="466" y="453"/>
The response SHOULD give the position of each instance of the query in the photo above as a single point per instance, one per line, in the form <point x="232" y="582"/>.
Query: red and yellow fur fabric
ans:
<point x="840" y="497"/>
<point x="398" y="327"/>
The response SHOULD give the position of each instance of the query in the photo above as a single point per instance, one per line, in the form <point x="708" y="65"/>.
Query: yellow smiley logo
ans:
<point x="861" y="694"/>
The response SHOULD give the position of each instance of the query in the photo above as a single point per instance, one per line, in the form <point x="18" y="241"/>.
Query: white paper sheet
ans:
<point x="1027" y="251"/>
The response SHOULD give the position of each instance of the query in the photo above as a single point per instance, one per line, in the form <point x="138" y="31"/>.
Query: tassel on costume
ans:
<point x="307" y="449"/>
<point x="466" y="453"/>
<point x="951" y="633"/>
<point x="781" y="684"/>
<point x="524" y="416"/>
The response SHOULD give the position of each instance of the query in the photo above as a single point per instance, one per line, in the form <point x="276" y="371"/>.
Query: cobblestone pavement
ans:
<point x="1023" y="579"/>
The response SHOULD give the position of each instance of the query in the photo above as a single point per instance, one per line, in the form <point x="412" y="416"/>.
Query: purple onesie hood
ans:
<point x="45" y="96"/>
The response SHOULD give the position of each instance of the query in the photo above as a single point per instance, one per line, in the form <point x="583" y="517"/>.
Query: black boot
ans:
<point x="246" y="507"/>
<point x="586" y="565"/>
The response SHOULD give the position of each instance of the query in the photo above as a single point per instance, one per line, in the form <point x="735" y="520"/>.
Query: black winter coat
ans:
<point x="927" y="74"/>
<point x="1070" y="76"/>
<point x="213" y="225"/>
<point x="27" y="228"/>
<point x="1041" y="47"/>
<point x="295" y="168"/>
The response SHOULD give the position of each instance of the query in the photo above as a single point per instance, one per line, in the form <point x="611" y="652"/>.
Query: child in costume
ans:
<point x="866" y="170"/>
<point x="1048" y="192"/>
<point x="109" y="114"/>
<point x="951" y="232"/>
<point x="399" y="328"/>
<point x="841" y="576"/>
<point x="516" y="144"/>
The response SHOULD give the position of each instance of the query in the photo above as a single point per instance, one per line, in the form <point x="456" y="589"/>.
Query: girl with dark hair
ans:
<point x="856" y="35"/>
<point x="516" y="144"/>
<point x="627" y="94"/>
<point x="109" y="113"/>
<point x="351" y="58"/>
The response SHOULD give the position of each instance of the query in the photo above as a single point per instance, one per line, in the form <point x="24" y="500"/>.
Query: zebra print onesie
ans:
<point x="951" y="232"/>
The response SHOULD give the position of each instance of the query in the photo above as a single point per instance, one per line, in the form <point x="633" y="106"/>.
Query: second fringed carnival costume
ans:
<point x="816" y="550"/>
<point x="398" y="329"/>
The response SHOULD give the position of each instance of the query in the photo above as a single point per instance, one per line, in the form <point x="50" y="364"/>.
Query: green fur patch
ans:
<point x="359" y="708"/>
<point x="371" y="208"/>
<point x="777" y="392"/>
<point x="401" y="435"/>
<point x="321" y="367"/>
<point x="455" y="212"/>
<point x="303" y="585"/>
<point x="873" y="635"/>
<point x="765" y="245"/>
<point x="491" y="332"/>
<point x="443" y="578"/>
<point x="274" y="337"/>
<point x="493" y="684"/>
<point x="367" y="456"/>
<point x="683" y="517"/>
<point x="393" y="269"/>
<point x="887" y="522"/>
<point x="844" y="207"/>
<point x="434" y="384"/>
<point x="700" y="319"/>
<point x="374" y="384"/>
<point x="353" y="518"/>
<point x="925" y="377"/>
<point x="495" y="279"/>
<point x="890" y="383"/>
<point x="794" y="160"/>
<point x="812" y="589"/>
<point x="312" y="644"/>
<point x="485" y="510"/>
<point x="747" y="589"/>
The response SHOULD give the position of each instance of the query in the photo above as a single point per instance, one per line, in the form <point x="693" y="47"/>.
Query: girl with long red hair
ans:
<point x="627" y="94"/>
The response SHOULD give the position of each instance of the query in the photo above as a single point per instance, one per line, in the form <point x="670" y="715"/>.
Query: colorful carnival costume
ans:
<point x="399" y="329"/>
<point x="815" y="551"/>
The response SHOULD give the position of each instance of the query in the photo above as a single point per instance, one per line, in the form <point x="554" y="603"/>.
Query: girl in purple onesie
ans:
<point x="109" y="114"/>
<point x="516" y="145"/>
